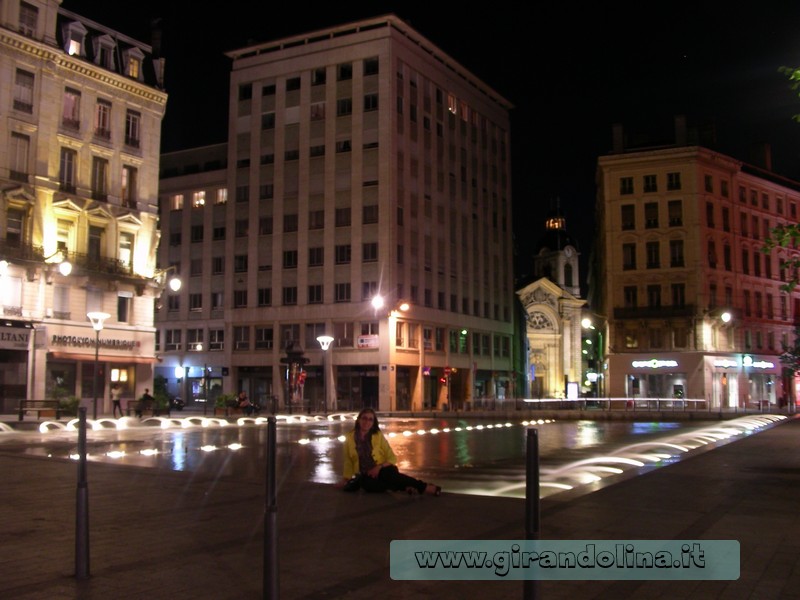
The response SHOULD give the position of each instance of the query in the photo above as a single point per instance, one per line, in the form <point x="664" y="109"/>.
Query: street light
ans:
<point x="325" y="342"/>
<point x="97" y="319"/>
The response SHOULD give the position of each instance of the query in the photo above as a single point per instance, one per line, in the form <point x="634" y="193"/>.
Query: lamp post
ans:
<point x="97" y="319"/>
<point x="325" y="342"/>
<point x="205" y="380"/>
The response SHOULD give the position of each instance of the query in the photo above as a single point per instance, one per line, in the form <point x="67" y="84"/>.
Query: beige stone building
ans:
<point x="80" y="125"/>
<point x="363" y="163"/>
<point x="694" y="309"/>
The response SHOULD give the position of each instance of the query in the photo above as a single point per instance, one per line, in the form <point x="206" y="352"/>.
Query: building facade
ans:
<point x="367" y="173"/>
<point x="553" y="315"/>
<point x="80" y="126"/>
<point x="694" y="308"/>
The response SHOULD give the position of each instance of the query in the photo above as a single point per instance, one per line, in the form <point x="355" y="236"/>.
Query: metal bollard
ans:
<point x="532" y="509"/>
<point x="82" y="504"/>
<point x="271" y="583"/>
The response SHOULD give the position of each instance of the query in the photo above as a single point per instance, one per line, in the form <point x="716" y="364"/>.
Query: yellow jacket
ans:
<point x="381" y="452"/>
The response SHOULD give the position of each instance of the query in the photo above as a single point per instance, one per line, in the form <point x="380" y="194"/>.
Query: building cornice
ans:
<point x="59" y="60"/>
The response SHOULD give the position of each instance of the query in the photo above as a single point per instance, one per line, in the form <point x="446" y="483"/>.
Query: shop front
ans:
<point x="68" y="362"/>
<point x="745" y="381"/>
<point x="669" y="376"/>
<point x="15" y="340"/>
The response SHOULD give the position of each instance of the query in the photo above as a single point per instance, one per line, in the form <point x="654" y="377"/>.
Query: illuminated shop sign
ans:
<point x="747" y="361"/>
<point x="654" y="364"/>
<point x="77" y="341"/>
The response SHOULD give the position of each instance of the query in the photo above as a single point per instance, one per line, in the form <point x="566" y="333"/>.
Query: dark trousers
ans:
<point x="117" y="405"/>
<point x="390" y="478"/>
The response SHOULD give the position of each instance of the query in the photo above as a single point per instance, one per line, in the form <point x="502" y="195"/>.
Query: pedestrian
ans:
<point x="369" y="462"/>
<point x="145" y="403"/>
<point x="116" y="394"/>
<point x="245" y="404"/>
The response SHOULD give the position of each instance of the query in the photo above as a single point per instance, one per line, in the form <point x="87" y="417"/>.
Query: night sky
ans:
<point x="570" y="71"/>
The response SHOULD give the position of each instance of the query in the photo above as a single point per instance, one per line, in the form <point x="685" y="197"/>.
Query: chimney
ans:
<point x="761" y="156"/>
<point x="617" y="139"/>
<point x="680" y="130"/>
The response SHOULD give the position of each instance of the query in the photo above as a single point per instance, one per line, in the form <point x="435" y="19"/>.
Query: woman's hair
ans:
<point x="375" y="426"/>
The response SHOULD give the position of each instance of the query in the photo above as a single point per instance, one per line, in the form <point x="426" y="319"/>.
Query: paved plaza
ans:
<point x="165" y="534"/>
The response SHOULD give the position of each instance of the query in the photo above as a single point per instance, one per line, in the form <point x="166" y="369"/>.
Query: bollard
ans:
<point x="532" y="511"/>
<point x="82" y="504"/>
<point x="271" y="583"/>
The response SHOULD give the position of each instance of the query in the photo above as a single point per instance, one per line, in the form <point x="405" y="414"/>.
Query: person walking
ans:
<point x="116" y="399"/>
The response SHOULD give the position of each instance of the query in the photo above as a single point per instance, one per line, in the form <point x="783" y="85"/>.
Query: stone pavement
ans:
<point x="177" y="535"/>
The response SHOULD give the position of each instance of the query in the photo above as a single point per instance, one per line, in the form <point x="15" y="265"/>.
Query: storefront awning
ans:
<point x="141" y="360"/>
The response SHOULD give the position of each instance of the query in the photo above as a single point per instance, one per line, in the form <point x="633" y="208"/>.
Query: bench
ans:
<point x="131" y="406"/>
<point x="47" y="408"/>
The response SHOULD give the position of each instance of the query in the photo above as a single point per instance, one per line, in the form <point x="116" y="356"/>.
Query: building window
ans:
<point x="712" y="254"/>
<point x="370" y="214"/>
<point x="289" y="296"/>
<point x="28" y="19"/>
<point x="71" y="115"/>
<point x="371" y="66"/>
<point x="264" y="338"/>
<point x="15" y="227"/>
<point x="218" y="233"/>
<point x="265" y="296"/>
<point x="343" y="146"/>
<point x="344" y="71"/>
<point x="726" y="219"/>
<point x="239" y="298"/>
<point x="222" y="196"/>
<point x="241" y="227"/>
<point x="630" y="296"/>
<point x="745" y="261"/>
<point x="654" y="296"/>
<point x="67" y="168"/>
<point x="290" y="259"/>
<point x="23" y="91"/>
<point x="651" y="215"/>
<point x="241" y="338"/>
<point x="650" y="184"/>
<point x="315" y="294"/>
<point x="99" y="179"/>
<point x="710" y="214"/>
<point x="726" y="255"/>
<point x="316" y="256"/>
<point x="173" y="303"/>
<point x="176" y="202"/>
<point x="130" y="177"/>
<point x="318" y="111"/>
<point x="626" y="185"/>
<point x="172" y="339"/>
<point x="133" y="123"/>
<point x="628" y="216"/>
<point x="709" y="183"/>
<point x="292" y="84"/>
<point x="675" y="208"/>
<point x="344" y="107"/>
<point x="343" y="217"/>
<point x="343" y="254"/>
<point x="370" y="252"/>
<point x="198" y="199"/>
<point x="369" y="289"/>
<point x="217" y="300"/>
<point x="196" y="234"/>
<point x="218" y="265"/>
<point x="195" y="302"/>
<point x="268" y="120"/>
<point x="656" y="337"/>
<point x="265" y="226"/>
<point x="318" y="76"/>
<point x="678" y="294"/>
<point x="240" y="263"/>
<point x="342" y="292"/>
<point x="316" y="219"/>
<point x="628" y="256"/>
<point x="676" y="253"/>
<point x="370" y="102"/>
<point x="723" y="188"/>
<point x="673" y="181"/>
<point x="102" y="120"/>
<point x="289" y="223"/>
<point x="653" y="255"/>
<point x="18" y="156"/>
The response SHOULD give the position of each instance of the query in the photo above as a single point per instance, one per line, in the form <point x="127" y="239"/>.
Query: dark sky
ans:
<point x="570" y="71"/>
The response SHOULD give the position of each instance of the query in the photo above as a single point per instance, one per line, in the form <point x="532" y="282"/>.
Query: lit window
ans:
<point x="199" y="199"/>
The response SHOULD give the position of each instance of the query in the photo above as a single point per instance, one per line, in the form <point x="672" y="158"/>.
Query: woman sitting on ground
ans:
<point x="370" y="463"/>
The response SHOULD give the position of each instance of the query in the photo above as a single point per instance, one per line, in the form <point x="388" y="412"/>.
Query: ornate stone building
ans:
<point x="553" y="315"/>
<point x="80" y="127"/>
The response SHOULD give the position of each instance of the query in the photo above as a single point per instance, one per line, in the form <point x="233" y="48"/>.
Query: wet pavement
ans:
<point x="198" y="534"/>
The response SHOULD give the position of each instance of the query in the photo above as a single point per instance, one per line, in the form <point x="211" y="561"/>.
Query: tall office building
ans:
<point x="80" y="126"/>
<point x="694" y="307"/>
<point x="369" y="199"/>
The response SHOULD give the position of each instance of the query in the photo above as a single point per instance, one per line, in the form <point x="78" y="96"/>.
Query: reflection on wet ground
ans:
<point x="464" y="456"/>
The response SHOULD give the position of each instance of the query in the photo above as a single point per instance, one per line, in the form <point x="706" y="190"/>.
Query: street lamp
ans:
<point x="325" y="342"/>
<point x="97" y="319"/>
